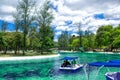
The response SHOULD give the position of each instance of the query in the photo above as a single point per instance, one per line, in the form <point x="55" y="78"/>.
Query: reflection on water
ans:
<point x="48" y="69"/>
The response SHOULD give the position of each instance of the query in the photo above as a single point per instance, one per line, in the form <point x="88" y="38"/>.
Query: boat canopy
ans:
<point x="105" y="64"/>
<point x="69" y="58"/>
<point x="115" y="61"/>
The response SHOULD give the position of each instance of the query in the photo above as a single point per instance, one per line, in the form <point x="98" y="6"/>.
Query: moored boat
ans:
<point x="72" y="65"/>
<point x="112" y="76"/>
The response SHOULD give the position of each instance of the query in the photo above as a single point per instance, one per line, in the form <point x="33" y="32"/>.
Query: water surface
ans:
<point x="48" y="69"/>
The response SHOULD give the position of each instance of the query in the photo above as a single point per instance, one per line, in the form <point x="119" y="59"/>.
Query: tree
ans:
<point x="116" y="42"/>
<point x="17" y="20"/>
<point x="17" y="42"/>
<point x="44" y="19"/>
<point x="63" y="40"/>
<point x="116" y="37"/>
<point x="103" y="36"/>
<point x="24" y="12"/>
<point x="2" y="41"/>
<point x="8" y="37"/>
<point x="32" y="36"/>
<point x="80" y="34"/>
<point x="75" y="43"/>
<point x="88" y="39"/>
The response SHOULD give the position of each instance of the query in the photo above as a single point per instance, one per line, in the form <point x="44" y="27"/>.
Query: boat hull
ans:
<point x="72" y="68"/>
<point x="113" y="76"/>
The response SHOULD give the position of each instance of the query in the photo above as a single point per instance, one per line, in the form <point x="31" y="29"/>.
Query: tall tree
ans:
<point x="25" y="14"/>
<point x="17" y="42"/>
<point x="32" y="36"/>
<point x="63" y="40"/>
<point x="44" y="19"/>
<point x="17" y="21"/>
<point x="79" y="33"/>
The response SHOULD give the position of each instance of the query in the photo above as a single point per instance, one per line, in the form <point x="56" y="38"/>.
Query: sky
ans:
<point x="91" y="14"/>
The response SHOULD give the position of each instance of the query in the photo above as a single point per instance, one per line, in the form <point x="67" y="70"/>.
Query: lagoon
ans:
<point x="48" y="68"/>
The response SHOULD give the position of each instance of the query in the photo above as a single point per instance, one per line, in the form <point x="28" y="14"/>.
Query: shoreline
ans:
<point x="27" y="57"/>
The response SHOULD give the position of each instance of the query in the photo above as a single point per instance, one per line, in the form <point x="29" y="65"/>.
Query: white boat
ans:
<point x="77" y="66"/>
<point x="72" y="66"/>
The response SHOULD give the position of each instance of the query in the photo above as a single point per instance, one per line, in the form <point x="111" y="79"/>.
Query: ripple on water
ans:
<point x="11" y="76"/>
<point x="31" y="73"/>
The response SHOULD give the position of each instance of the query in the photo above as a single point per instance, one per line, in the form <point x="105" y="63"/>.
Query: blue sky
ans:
<point x="99" y="16"/>
<point x="68" y="13"/>
<point x="10" y="26"/>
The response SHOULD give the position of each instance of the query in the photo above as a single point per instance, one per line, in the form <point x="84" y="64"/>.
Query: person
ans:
<point x="65" y="63"/>
<point x="73" y="62"/>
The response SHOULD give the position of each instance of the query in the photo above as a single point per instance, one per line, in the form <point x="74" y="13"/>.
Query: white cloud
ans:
<point x="113" y="12"/>
<point x="7" y="9"/>
<point x="62" y="28"/>
<point x="58" y="33"/>
<point x="8" y="18"/>
<point x="78" y="10"/>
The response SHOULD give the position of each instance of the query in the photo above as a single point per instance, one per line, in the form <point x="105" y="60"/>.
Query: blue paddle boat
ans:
<point x="112" y="76"/>
<point x="111" y="63"/>
<point x="69" y="63"/>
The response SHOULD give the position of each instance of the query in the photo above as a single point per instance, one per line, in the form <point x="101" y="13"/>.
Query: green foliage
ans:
<point x="116" y="42"/>
<point x="18" y="39"/>
<point x="2" y="40"/>
<point x="23" y="14"/>
<point x="108" y="36"/>
<point x="103" y="36"/>
<point x="46" y="34"/>
<point x="63" y="40"/>
<point x="75" y="42"/>
<point x="35" y="43"/>
<point x="116" y="37"/>
<point x="46" y="37"/>
<point x="44" y="15"/>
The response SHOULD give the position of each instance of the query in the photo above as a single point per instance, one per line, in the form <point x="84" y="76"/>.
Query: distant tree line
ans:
<point x="107" y="37"/>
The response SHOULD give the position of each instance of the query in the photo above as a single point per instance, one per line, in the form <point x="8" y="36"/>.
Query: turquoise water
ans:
<point x="48" y="69"/>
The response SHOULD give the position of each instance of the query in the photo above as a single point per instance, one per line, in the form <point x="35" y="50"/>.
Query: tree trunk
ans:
<point x="18" y="49"/>
<point x="5" y="51"/>
<point x="24" y="44"/>
<point x="15" y="50"/>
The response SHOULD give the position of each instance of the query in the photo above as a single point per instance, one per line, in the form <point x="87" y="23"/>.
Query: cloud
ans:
<point x="62" y="28"/>
<point x="7" y="9"/>
<point x="58" y="33"/>
<point x="54" y="7"/>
